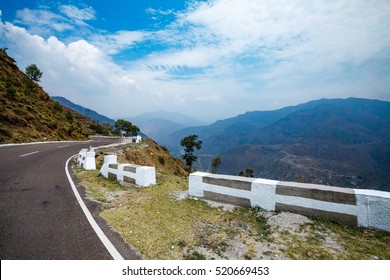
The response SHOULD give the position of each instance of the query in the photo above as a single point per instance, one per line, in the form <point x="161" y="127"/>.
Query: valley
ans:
<point x="339" y="142"/>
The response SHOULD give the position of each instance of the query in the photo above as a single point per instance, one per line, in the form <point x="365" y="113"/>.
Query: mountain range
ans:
<point x="158" y="125"/>
<point x="82" y="110"/>
<point x="341" y="142"/>
<point x="155" y="125"/>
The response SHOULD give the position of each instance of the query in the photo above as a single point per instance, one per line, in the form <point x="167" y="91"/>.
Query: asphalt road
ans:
<point x="40" y="217"/>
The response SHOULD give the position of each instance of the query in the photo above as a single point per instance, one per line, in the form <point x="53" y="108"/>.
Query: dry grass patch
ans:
<point x="159" y="226"/>
<point x="328" y="240"/>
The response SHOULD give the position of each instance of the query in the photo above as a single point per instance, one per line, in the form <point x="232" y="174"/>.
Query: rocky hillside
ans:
<point x="27" y="113"/>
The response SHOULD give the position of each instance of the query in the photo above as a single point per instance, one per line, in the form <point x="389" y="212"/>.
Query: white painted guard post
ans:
<point x="143" y="176"/>
<point x="86" y="159"/>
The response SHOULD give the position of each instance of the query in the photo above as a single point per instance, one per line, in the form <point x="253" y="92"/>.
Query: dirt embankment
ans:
<point x="147" y="153"/>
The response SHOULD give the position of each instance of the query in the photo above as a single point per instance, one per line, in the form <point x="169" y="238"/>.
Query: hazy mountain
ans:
<point x="157" y="128"/>
<point x="348" y="121"/>
<point x="236" y="130"/>
<point x="82" y="110"/>
<point x="173" y="117"/>
<point x="343" y="142"/>
<point x="158" y="125"/>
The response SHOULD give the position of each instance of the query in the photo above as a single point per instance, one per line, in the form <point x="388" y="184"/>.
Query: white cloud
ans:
<point x="194" y="58"/>
<point x="243" y="55"/>
<point x="159" y="11"/>
<point x="78" y="14"/>
<point x="42" y="21"/>
<point x="78" y="70"/>
<point x="121" y="40"/>
<point x="323" y="32"/>
<point x="211" y="98"/>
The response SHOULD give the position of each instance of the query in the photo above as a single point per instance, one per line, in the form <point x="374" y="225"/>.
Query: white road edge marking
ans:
<point x="29" y="154"/>
<point x="63" y="146"/>
<point x="106" y="242"/>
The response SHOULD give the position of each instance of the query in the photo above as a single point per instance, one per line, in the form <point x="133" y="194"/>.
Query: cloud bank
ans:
<point x="215" y="59"/>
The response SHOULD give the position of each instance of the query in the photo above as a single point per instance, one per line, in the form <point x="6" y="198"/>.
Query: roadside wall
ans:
<point x="143" y="176"/>
<point x="86" y="159"/>
<point x="366" y="208"/>
<point x="132" y="139"/>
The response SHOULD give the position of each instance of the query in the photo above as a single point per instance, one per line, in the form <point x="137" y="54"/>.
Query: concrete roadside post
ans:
<point x="86" y="159"/>
<point x="90" y="163"/>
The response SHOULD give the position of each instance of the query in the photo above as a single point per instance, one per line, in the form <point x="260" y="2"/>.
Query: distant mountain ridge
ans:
<point x="82" y="110"/>
<point x="174" y="117"/>
<point x="161" y="123"/>
<point x="342" y="142"/>
<point x="240" y="126"/>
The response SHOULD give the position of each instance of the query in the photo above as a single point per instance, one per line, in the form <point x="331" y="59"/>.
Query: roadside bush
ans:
<point x="57" y="107"/>
<point x="161" y="160"/>
<point x="11" y="92"/>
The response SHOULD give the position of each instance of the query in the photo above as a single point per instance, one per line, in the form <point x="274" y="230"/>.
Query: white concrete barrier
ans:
<point x="86" y="159"/>
<point x="132" y="139"/>
<point x="143" y="176"/>
<point x="366" y="208"/>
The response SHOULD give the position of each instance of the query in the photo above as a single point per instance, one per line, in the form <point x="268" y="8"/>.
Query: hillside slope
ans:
<point x="28" y="114"/>
<point x="223" y="135"/>
<point x="148" y="153"/>
<point x="83" y="111"/>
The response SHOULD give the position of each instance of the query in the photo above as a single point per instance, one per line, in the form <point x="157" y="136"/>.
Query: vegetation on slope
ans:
<point x="27" y="113"/>
<point x="149" y="153"/>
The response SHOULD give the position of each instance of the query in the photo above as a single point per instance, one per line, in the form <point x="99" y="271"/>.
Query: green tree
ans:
<point x="248" y="173"/>
<point x="101" y="129"/>
<point x="69" y="116"/>
<point x="128" y="127"/>
<point x="190" y="143"/>
<point x="33" y="72"/>
<point x="215" y="163"/>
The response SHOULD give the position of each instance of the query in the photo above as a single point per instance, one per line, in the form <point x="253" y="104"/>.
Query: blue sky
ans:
<point x="208" y="59"/>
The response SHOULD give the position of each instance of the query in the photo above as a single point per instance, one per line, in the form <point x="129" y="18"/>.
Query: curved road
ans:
<point x="40" y="217"/>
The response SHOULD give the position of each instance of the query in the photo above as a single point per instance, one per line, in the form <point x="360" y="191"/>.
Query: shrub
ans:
<point x="11" y="91"/>
<point x="57" y="107"/>
<point x="194" y="256"/>
<point x="161" y="160"/>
